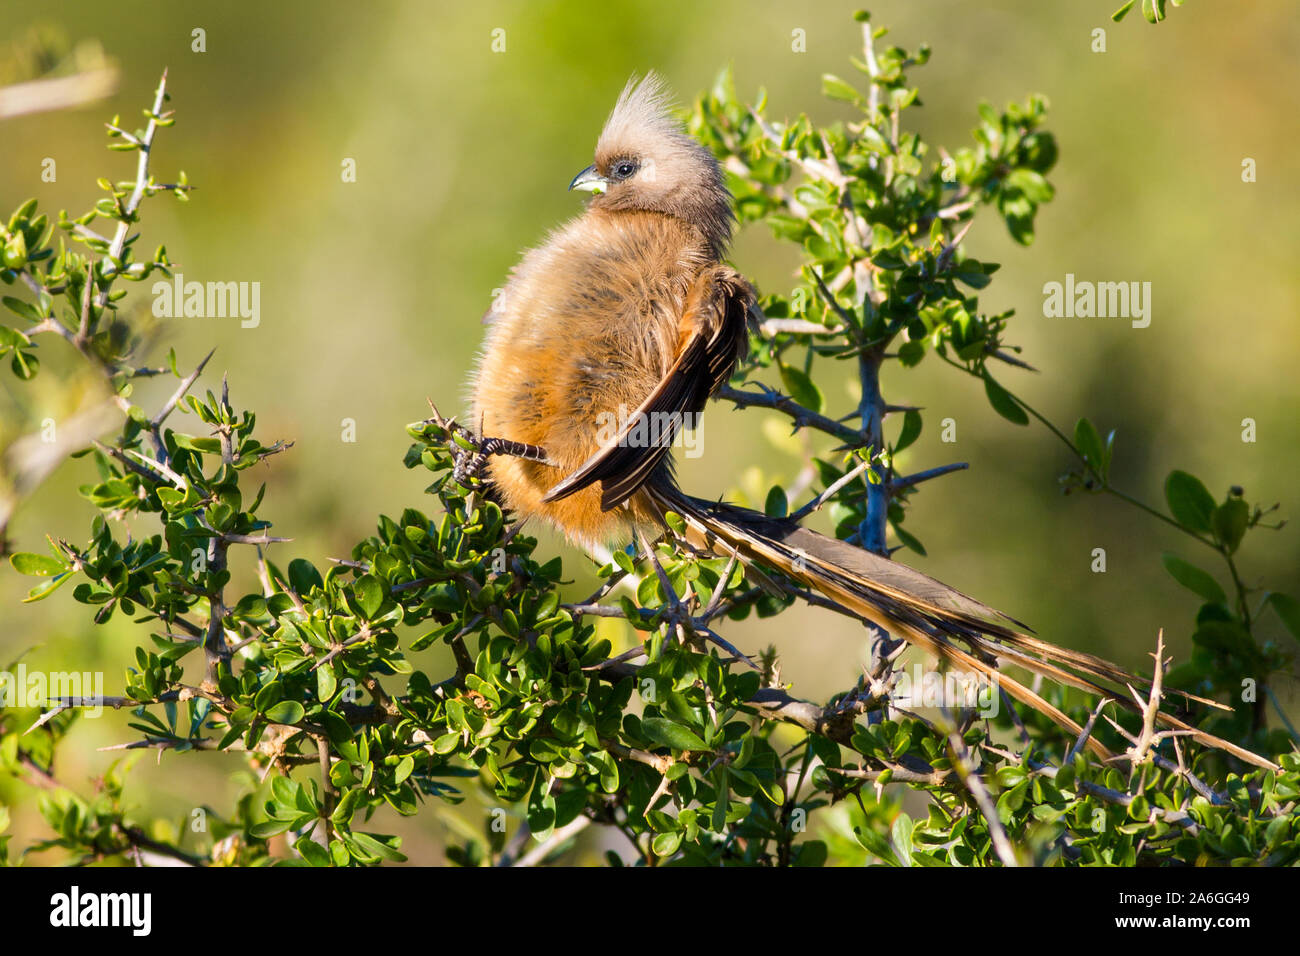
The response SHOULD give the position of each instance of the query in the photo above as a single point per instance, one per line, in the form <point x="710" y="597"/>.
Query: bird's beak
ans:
<point x="589" y="180"/>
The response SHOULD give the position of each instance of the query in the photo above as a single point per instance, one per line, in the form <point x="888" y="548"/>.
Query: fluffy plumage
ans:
<point x="592" y="322"/>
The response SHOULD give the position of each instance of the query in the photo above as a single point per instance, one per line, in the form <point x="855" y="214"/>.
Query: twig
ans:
<point x="975" y="786"/>
<point x="829" y="493"/>
<point x="773" y="327"/>
<point x="145" y="148"/>
<point x="177" y="395"/>
<point x="803" y="416"/>
<point x="1084" y="734"/>
<point x="544" y="849"/>
<point x="144" y="466"/>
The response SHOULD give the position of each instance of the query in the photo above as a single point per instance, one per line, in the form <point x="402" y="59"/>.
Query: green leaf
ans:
<point x="285" y="712"/>
<point x="1003" y="403"/>
<point x="15" y="251"/>
<point x="384" y="850"/>
<point x="1088" y="441"/>
<point x="312" y="852"/>
<point x="326" y="683"/>
<point x="720" y="804"/>
<point x="666" y="844"/>
<point x="1229" y="521"/>
<point x="12" y="339"/>
<point x="971" y="273"/>
<point x="347" y="807"/>
<point x="1139" y="808"/>
<point x="910" y="431"/>
<point x="39" y="565"/>
<point x="777" y="504"/>
<point x="1030" y="184"/>
<point x="268" y="695"/>
<point x="1288" y="609"/>
<point x="802" y="388"/>
<point x="46" y="588"/>
<point x="911" y="353"/>
<point x="902" y="834"/>
<point x="303" y="576"/>
<point x="286" y="793"/>
<point x="669" y="734"/>
<point x="1189" y="502"/>
<point x="22" y="214"/>
<point x="624" y="561"/>
<point x="370" y="594"/>
<point x="837" y="89"/>
<point x="25" y="365"/>
<point x="269" y="829"/>
<point x="876" y="844"/>
<point x="24" y="309"/>
<point x="1193" y="578"/>
<point x="206" y="445"/>
<point x="1010" y="776"/>
<point x="405" y="767"/>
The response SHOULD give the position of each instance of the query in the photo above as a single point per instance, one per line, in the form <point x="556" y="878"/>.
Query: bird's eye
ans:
<point x="624" y="168"/>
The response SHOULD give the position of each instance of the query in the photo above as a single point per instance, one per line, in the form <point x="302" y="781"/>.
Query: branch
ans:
<point x="544" y="849"/>
<point x="826" y="495"/>
<point x="975" y="786"/>
<point x="772" y="327"/>
<point x="871" y="409"/>
<point x="177" y="395"/>
<point x="58" y="93"/>
<point x="803" y="417"/>
<point x="145" y="149"/>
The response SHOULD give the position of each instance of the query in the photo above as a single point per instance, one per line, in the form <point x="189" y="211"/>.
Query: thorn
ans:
<point x="181" y="389"/>
<point x="907" y="481"/>
<point x="1012" y="360"/>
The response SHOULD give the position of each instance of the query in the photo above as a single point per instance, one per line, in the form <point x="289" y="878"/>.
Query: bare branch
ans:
<point x="803" y="417"/>
<point x="829" y="493"/>
<point x="177" y="395"/>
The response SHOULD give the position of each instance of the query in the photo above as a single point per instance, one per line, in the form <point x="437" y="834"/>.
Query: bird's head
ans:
<point x="645" y="161"/>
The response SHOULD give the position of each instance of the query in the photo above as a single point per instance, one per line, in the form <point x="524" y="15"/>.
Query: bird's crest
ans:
<point x="641" y="118"/>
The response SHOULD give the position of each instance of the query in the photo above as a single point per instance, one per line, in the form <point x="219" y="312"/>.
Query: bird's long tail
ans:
<point x="921" y="610"/>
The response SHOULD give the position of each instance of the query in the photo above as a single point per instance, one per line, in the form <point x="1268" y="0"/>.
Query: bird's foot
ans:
<point x="470" y="461"/>
<point x="515" y="449"/>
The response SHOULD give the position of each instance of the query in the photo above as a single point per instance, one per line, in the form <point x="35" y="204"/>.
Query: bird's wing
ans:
<point x="713" y="338"/>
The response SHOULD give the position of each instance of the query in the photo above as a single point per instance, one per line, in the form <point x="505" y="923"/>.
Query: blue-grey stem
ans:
<point x="871" y="532"/>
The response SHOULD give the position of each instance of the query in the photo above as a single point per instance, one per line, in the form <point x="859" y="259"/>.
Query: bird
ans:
<point x="617" y="329"/>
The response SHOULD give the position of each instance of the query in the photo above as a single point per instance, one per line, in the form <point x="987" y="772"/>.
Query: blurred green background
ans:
<point x="371" y="292"/>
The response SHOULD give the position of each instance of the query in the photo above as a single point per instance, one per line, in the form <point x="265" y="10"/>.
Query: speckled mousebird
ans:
<point x="630" y="308"/>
